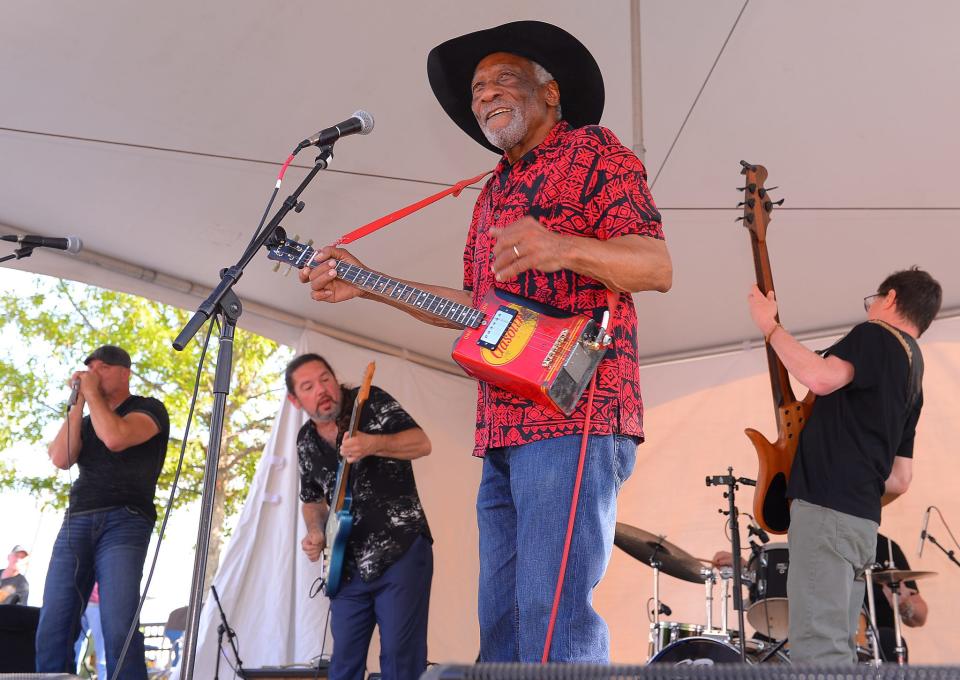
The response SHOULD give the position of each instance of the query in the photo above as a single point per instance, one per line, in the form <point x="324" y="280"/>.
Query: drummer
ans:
<point x="913" y="608"/>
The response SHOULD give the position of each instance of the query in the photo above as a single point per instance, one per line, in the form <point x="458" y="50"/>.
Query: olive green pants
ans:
<point x="828" y="553"/>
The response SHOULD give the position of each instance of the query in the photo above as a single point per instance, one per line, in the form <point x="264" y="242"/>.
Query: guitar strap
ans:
<point x="403" y="212"/>
<point x="909" y="344"/>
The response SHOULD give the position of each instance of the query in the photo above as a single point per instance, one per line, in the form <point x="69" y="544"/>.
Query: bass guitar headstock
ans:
<point x="757" y="204"/>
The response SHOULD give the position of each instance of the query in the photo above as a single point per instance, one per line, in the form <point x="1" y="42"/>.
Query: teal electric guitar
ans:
<point x="340" y="519"/>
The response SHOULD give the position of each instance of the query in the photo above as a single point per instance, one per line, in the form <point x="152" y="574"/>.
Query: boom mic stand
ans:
<point x="731" y="482"/>
<point x="224" y="627"/>
<point x="949" y="553"/>
<point x="225" y="305"/>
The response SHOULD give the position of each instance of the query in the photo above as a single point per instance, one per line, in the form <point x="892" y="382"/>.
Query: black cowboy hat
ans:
<point x="450" y="67"/>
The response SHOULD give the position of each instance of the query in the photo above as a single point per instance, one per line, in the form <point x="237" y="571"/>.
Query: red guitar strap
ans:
<point x="403" y="212"/>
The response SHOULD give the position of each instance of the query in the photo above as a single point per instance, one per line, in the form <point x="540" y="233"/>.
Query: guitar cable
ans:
<point x="588" y="413"/>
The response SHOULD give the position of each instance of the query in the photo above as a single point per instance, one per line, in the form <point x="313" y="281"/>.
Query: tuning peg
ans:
<point x="746" y="218"/>
<point x="276" y="267"/>
<point x="768" y="206"/>
<point x="746" y="166"/>
<point x="310" y="243"/>
<point x="750" y="202"/>
<point x="750" y="187"/>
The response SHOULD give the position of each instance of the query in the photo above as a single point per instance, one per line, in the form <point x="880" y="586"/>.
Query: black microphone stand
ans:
<point x="19" y="253"/>
<point x="949" y="553"/>
<point x="731" y="482"/>
<point x="225" y="305"/>
<point x="224" y="627"/>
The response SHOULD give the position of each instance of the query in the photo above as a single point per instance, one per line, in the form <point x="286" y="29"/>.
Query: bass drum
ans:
<point x="704" y="651"/>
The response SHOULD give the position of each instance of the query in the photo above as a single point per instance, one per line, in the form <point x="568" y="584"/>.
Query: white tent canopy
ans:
<point x="154" y="132"/>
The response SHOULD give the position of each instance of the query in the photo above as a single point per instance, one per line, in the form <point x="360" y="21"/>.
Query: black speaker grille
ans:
<point x="511" y="671"/>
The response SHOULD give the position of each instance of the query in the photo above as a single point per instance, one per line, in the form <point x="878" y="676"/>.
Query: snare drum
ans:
<point x="768" y="612"/>
<point x="665" y="633"/>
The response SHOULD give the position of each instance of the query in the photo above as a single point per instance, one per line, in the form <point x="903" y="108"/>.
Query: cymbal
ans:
<point x="888" y="576"/>
<point x="645" y="546"/>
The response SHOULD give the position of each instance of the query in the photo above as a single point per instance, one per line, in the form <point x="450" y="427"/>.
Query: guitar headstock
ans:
<point x="367" y="381"/>
<point x="757" y="204"/>
<point x="290" y="252"/>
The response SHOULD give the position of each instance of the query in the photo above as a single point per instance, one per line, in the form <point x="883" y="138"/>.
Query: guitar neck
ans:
<point x="779" y="377"/>
<point x="409" y="296"/>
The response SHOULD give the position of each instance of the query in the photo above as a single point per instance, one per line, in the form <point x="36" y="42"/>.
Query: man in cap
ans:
<point x="566" y="217"/>
<point x="14" y="588"/>
<point x="119" y="449"/>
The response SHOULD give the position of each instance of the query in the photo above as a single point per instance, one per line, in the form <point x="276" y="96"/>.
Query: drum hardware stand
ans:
<point x="901" y="650"/>
<point x="725" y="600"/>
<point x="708" y="582"/>
<point x="657" y="606"/>
<point x="731" y="482"/>
<point x="872" y="620"/>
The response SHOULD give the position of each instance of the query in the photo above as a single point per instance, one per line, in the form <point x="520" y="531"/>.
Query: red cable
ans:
<point x="588" y="413"/>
<point x="570" y="521"/>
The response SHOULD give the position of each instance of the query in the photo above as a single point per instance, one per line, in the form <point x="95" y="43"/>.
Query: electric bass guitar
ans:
<point x="527" y="348"/>
<point x="770" y="504"/>
<point x="339" y="518"/>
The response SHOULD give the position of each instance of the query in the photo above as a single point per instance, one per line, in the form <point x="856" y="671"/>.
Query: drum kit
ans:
<point x="766" y="608"/>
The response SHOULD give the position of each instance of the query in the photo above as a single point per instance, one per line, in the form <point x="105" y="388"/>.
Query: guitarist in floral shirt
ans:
<point x="389" y="556"/>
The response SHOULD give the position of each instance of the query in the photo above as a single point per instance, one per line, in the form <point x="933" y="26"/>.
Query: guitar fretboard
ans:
<point x="384" y="286"/>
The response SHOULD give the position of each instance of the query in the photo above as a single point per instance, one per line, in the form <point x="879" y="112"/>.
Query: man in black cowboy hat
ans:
<point x="566" y="217"/>
<point x="119" y="448"/>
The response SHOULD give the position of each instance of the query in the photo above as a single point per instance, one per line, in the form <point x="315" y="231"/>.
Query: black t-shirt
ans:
<point x="847" y="448"/>
<point x="20" y="587"/>
<point x="884" y="610"/>
<point x="125" y="478"/>
<point x="387" y="514"/>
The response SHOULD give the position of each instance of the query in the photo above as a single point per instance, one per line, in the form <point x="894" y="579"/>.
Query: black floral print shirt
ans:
<point x="387" y="514"/>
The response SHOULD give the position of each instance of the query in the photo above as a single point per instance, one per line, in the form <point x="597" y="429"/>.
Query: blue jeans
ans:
<point x="398" y="601"/>
<point x="523" y="507"/>
<point x="109" y="547"/>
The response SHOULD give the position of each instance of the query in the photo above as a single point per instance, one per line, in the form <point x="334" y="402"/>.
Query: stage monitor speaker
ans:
<point x="39" y="676"/>
<point x="285" y="673"/>
<point x="18" y="632"/>
<point x="701" y="669"/>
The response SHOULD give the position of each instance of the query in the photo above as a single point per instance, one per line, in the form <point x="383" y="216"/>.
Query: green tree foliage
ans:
<point x="46" y="337"/>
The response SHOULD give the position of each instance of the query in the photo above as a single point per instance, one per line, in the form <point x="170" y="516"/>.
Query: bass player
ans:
<point x="855" y="454"/>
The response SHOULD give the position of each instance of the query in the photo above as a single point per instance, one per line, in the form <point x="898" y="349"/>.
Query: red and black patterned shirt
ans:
<point x="580" y="182"/>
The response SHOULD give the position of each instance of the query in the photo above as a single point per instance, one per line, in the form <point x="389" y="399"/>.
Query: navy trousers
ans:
<point x="398" y="602"/>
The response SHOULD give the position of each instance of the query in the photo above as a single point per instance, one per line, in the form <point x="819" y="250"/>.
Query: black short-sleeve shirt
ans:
<point x="847" y="448"/>
<point x="125" y="478"/>
<point x="20" y="587"/>
<point x="387" y="514"/>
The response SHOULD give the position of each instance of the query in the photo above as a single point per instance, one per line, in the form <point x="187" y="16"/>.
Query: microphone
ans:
<point x="71" y="244"/>
<point x="665" y="610"/>
<point x="360" y="123"/>
<point x="756" y="530"/>
<point x="74" y="391"/>
<point x="923" y="531"/>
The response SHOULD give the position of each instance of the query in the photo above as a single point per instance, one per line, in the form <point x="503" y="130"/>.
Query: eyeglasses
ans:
<point x="869" y="300"/>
